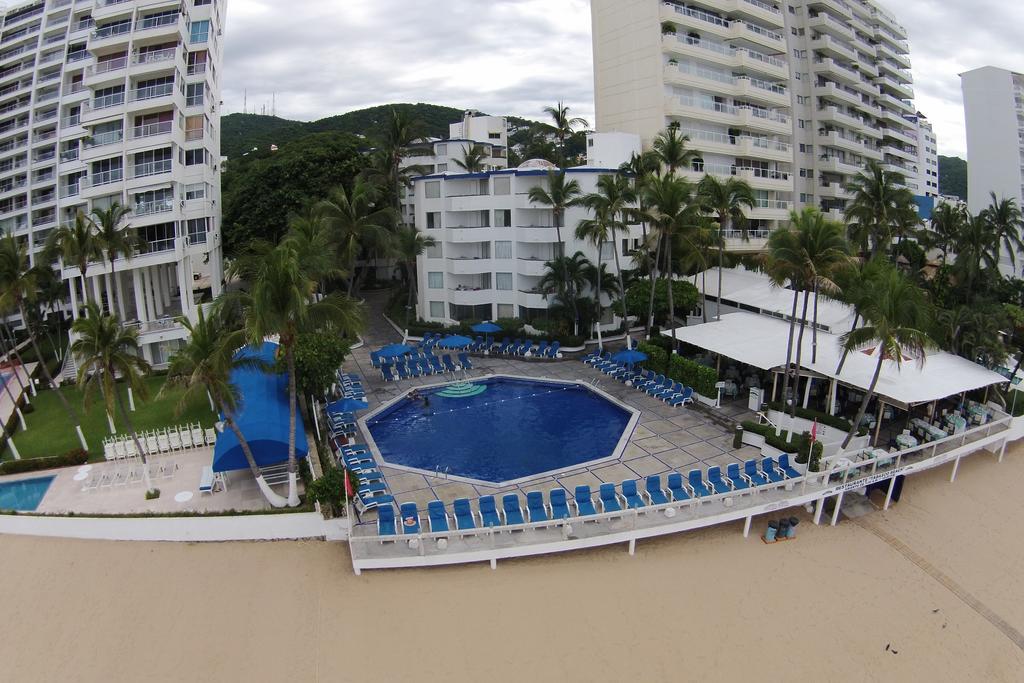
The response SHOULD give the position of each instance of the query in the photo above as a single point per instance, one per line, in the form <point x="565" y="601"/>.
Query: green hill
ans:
<point x="953" y="176"/>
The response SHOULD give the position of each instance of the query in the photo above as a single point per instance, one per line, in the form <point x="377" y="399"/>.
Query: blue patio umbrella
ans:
<point x="455" y="342"/>
<point x="486" y="328"/>
<point x="347" y="405"/>
<point x="629" y="356"/>
<point x="394" y="350"/>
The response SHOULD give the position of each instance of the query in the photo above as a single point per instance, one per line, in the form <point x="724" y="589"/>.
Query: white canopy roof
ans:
<point x="761" y="341"/>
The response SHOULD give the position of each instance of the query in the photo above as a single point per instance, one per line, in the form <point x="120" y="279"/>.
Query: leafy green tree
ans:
<point x="611" y="207"/>
<point x="977" y="249"/>
<point x="318" y="355"/>
<point x="77" y="245"/>
<point x="473" y="158"/>
<point x="1003" y="218"/>
<point x="946" y="223"/>
<point x="563" y="125"/>
<point x="559" y="195"/>
<point x="670" y="150"/>
<point x="726" y="200"/>
<point x="563" y="279"/>
<point x="357" y="224"/>
<point x="408" y="245"/>
<point x="881" y="208"/>
<point x="684" y="294"/>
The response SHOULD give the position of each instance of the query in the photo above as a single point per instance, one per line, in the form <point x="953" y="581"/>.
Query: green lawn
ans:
<point x="51" y="433"/>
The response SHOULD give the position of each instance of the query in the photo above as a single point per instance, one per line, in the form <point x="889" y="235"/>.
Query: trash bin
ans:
<point x="769" y="534"/>
<point x="783" y="528"/>
<point x="793" y="521"/>
<point x="737" y="437"/>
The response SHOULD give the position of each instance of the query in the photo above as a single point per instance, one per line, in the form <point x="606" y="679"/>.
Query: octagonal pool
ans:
<point x="499" y="429"/>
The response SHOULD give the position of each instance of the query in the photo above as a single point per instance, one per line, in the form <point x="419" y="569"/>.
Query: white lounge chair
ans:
<point x="186" y="438"/>
<point x="206" y="480"/>
<point x="130" y="451"/>
<point x="163" y="442"/>
<point x="93" y="482"/>
<point x="175" y="440"/>
<point x="108" y="450"/>
<point x="119" y="451"/>
<point x="197" y="436"/>
<point x="151" y="446"/>
<point x="211" y="436"/>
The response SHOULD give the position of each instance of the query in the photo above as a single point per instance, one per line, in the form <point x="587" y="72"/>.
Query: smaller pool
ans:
<point x="23" y="495"/>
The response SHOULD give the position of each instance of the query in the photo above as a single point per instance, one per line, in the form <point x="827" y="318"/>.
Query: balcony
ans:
<point x="150" y="130"/>
<point x="838" y="7"/>
<point x="468" y="296"/>
<point x="106" y="66"/>
<point x="115" y="175"/>
<point x="763" y="179"/>
<point x="112" y="137"/>
<point x="69" y="190"/>
<point x="833" y="48"/>
<point x="838" y="165"/>
<point x="151" y="92"/>
<point x="151" y="168"/>
<point x="836" y="70"/>
<point x="533" y="267"/>
<point x="112" y="31"/>
<point x="758" y="35"/>
<point x="153" y="207"/>
<point x="470" y="265"/>
<point x="161" y="21"/>
<point x="154" y="60"/>
<point x="824" y="23"/>
<point x="104" y="102"/>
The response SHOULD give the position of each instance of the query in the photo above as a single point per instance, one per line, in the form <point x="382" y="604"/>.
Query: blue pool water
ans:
<point x="23" y="495"/>
<point x="510" y="430"/>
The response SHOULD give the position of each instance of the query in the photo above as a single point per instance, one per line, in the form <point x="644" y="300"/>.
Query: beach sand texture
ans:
<point x="935" y="594"/>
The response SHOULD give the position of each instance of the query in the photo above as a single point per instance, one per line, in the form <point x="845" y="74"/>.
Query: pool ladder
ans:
<point x="437" y="472"/>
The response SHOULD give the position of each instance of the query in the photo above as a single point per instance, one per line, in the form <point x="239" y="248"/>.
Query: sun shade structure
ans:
<point x="262" y="416"/>
<point x="486" y="328"/>
<point x="394" y="350"/>
<point x="455" y="342"/>
<point x="629" y="356"/>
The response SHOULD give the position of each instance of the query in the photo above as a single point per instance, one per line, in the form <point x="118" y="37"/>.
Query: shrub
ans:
<point x="692" y="374"/>
<point x="840" y="423"/>
<point x="657" y="358"/>
<point x="151" y="495"/>
<point x="804" y="441"/>
<point x="780" y="441"/>
<point x="329" y="490"/>
<point x="70" y="459"/>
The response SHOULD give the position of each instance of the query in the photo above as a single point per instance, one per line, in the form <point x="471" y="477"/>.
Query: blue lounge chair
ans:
<point x="374" y="359"/>
<point x="683" y="398"/>
<point x="437" y="516"/>
<point x="736" y="478"/>
<point x="696" y="480"/>
<point x="512" y="509"/>
<point x="771" y="471"/>
<point x="631" y="495"/>
<point x="386" y="521"/>
<point x="478" y="345"/>
<point x="425" y="368"/>
<point x="435" y="363"/>
<point x="592" y="357"/>
<point x="410" y="518"/>
<point x="414" y="367"/>
<point x="754" y="475"/>
<point x="717" y="483"/>
<point x="609" y="498"/>
<point x="387" y="373"/>
<point x="677" y="390"/>
<point x="584" y="501"/>
<point x="464" y="517"/>
<point x="535" y="507"/>
<point x="541" y="349"/>
<point x="448" y="364"/>
<point x="465" y="362"/>
<point x="372" y="489"/>
<point x="526" y="348"/>
<point x="786" y="468"/>
<point x="368" y="476"/>
<point x="364" y="503"/>
<point x="656" y="494"/>
<point x="503" y="347"/>
<point x="659" y="391"/>
<point x="488" y="512"/>
<point x="403" y="373"/>
<point x="553" y="350"/>
<point x="559" y="504"/>
<point x="677" y="488"/>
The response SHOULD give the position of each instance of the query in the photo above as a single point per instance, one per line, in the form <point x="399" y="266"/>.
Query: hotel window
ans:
<point x="503" y="250"/>
<point x="194" y="94"/>
<point x="434" y="250"/>
<point x="607" y="251"/>
<point x="433" y="220"/>
<point x="502" y="185"/>
<point x="435" y="280"/>
<point x="436" y="309"/>
<point x="506" y="311"/>
<point x="503" y="218"/>
<point x="432" y="189"/>
<point x="195" y="157"/>
<point x="200" y="31"/>
<point x="197" y="228"/>
<point x="195" y="191"/>
<point x="503" y="282"/>
<point x="197" y="62"/>
<point x="441" y="150"/>
<point x="194" y="128"/>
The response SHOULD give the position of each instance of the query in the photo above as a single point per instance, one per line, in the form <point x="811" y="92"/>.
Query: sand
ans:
<point x="939" y="599"/>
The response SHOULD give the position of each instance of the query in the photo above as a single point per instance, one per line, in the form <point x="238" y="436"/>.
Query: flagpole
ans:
<point x="810" y="452"/>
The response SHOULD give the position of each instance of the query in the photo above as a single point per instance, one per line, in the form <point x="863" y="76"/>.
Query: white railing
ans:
<point x="151" y="207"/>
<point x="151" y="168"/>
<point x="151" y="92"/>
<point x="111" y="31"/>
<point x="154" y="56"/>
<point x="104" y="178"/>
<point x="150" y="129"/>
<point x="109" y="138"/>
<point x="106" y="101"/>
<point x="702" y="15"/>
<point x="107" y="65"/>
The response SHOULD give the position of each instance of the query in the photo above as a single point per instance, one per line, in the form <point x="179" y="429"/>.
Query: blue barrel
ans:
<point x="793" y="521"/>
<point x="783" y="528"/>
<point x="769" y="535"/>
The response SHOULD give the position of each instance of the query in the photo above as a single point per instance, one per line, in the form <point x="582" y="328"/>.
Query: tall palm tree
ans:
<point x="563" y="125"/>
<point x="785" y="266"/>
<point x="896" y="318"/>
<point x="638" y="169"/>
<point x="77" y="245"/>
<point x="278" y="301"/>
<point x="409" y="244"/>
<point x="205" y="364"/>
<point x="879" y="209"/>
<point x="473" y="157"/>
<point x="563" y="279"/>
<point x="398" y="138"/>
<point x="856" y="288"/>
<point x="313" y="238"/>
<point x="946" y="223"/>
<point x="670" y="150"/>
<point x="107" y="351"/>
<point x="115" y="240"/>
<point x="357" y="223"/>
<point x="726" y="200"/>
<point x="611" y="206"/>
<point x="1003" y="217"/>
<point x="560" y="195"/>
<point x="977" y="248"/>
<point x="18" y="290"/>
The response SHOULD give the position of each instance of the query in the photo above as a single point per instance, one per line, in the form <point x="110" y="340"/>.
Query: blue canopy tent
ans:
<point x="629" y="356"/>
<point x="262" y="416"/>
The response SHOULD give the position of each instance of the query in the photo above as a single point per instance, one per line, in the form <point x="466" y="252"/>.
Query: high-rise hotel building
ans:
<point x="118" y="100"/>
<point x="793" y="97"/>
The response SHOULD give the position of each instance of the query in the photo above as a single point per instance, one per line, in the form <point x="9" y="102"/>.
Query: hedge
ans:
<point x="780" y="441"/>
<point x="840" y="423"/>
<point x="692" y="374"/>
<point x="69" y="459"/>
<point x="657" y="358"/>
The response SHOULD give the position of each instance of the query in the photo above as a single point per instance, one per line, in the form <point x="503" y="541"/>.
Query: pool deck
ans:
<point x="666" y="439"/>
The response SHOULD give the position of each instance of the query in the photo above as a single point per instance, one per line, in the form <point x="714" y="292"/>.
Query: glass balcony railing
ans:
<point x="150" y="129"/>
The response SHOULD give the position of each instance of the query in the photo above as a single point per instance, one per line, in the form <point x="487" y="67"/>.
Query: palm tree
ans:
<point x="356" y="223"/>
<point x="473" y="157"/>
<point x="205" y="364"/>
<point x="896" y="318"/>
<point x="409" y="244"/>
<point x="977" y="248"/>
<point x="313" y="238"/>
<point x="77" y="245"/>
<point x="669" y="149"/>
<point x="946" y="223"/>
<point x="107" y="351"/>
<point x="1003" y="217"/>
<point x="611" y="205"/>
<point x="19" y="290"/>
<point x="564" y="277"/>
<point x="559" y="196"/>
<point x="785" y="266"/>
<point x="726" y="200"/>
<point x="855" y="286"/>
<point x="639" y="168"/>
<point x="114" y="240"/>
<point x="563" y="125"/>
<point x="880" y="208"/>
<point x="277" y="301"/>
<point x="397" y="140"/>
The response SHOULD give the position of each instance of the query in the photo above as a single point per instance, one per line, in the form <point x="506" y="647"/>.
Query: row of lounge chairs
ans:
<point x="351" y="385"/>
<point x="611" y="499"/>
<point x="422" y="366"/>
<point x="506" y="347"/>
<point x="155" y="441"/>
<point x="127" y="471"/>
<point x="372" y="491"/>
<point x="658" y="386"/>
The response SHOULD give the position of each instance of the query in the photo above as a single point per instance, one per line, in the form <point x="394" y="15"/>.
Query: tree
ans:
<point x="726" y="200"/>
<point x="318" y="355"/>
<point x="611" y="206"/>
<point x="639" y="169"/>
<point x="107" y="351"/>
<point x="946" y="223"/>
<point x="896" y="318"/>
<point x="204" y="365"/>
<point x="400" y="134"/>
<point x="880" y="208"/>
<point x="409" y="244"/>
<point x="559" y="196"/>
<point x="563" y="279"/>
<point x="18" y="290"/>
<point x="115" y="241"/>
<point x="312" y="237"/>
<point x="669" y="149"/>
<point x="563" y="125"/>
<point x="357" y="223"/>
<point x="977" y="248"/>
<point x="855" y="286"/>
<point x="76" y="244"/>
<point x="473" y="158"/>
<point x="1003" y="218"/>
<point x="684" y="294"/>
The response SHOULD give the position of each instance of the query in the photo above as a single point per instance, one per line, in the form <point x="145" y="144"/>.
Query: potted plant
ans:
<point x="668" y="28"/>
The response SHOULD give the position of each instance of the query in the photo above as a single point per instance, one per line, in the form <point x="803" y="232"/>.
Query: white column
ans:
<point x="140" y="306"/>
<point x="108" y="283"/>
<point x="807" y="391"/>
<point x="147" y="290"/>
<point x="165" y="284"/>
<point x="119" y="286"/>
<point x="73" y="286"/>
<point x="216" y="270"/>
<point x="832" y="396"/>
<point x="147" y="353"/>
<point x="185" y="284"/>
<point x="153" y="287"/>
<point x="97" y="295"/>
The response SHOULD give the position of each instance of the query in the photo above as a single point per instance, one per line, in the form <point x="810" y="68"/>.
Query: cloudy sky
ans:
<point x="316" y="58"/>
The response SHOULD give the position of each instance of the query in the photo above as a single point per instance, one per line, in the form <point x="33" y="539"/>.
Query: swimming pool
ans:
<point x="500" y="429"/>
<point x="24" y="495"/>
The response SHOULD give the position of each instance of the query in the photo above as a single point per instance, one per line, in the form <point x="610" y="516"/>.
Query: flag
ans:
<point x="814" y="432"/>
<point x="349" y="493"/>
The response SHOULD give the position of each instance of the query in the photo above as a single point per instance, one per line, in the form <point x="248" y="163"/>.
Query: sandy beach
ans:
<point x="929" y="591"/>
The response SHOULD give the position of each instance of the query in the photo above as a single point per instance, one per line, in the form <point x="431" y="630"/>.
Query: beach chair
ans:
<point x="386" y="521"/>
<point x="609" y="498"/>
<point x="92" y="483"/>
<point x="771" y="471"/>
<point x="655" y="494"/>
<point x="659" y="390"/>
<point x="413" y="367"/>
<point x="536" y="507"/>
<point x="174" y="439"/>
<point x="371" y="489"/>
<point x="465" y="362"/>
<point x="366" y="503"/>
<point x="503" y="347"/>
<point x="464" y="516"/>
<point x="130" y="449"/>
<point x="186" y="438"/>
<point x="718" y="484"/>
<point x="786" y="468"/>
<point x="559" y="504"/>
<point x="634" y="500"/>
<point x="677" y="488"/>
<point x="197" y="436"/>
<point x="438" y="517"/>
<point x="435" y="363"/>
<point x="449" y="366"/>
<point x="403" y="373"/>
<point x="526" y="349"/>
<point x="542" y="348"/>
<point x="512" y="510"/>
<point x="410" y="518"/>
<point x="591" y="357"/>
<point x="488" y="512"/>
<point x="163" y="442"/>
<point x="696" y="481"/>
<point x="368" y="476"/>
<point x="374" y="359"/>
<point x="683" y="398"/>
<point x="387" y="373"/>
<point x="108" y="450"/>
<point x="206" y="480"/>
<point x="119" y="451"/>
<point x="735" y="478"/>
<point x="584" y="501"/>
<point x="754" y="475"/>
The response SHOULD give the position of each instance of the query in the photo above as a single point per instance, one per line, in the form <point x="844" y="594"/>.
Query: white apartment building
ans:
<point x="925" y="183"/>
<point x="492" y="242"/>
<point x="117" y="100"/>
<point x="994" y="113"/>
<point x="792" y="97"/>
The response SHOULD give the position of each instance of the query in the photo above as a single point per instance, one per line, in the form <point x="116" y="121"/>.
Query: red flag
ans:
<point x="349" y="493"/>
<point x="814" y="432"/>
